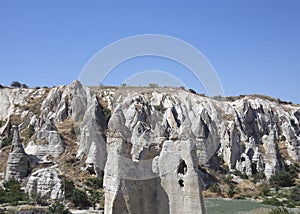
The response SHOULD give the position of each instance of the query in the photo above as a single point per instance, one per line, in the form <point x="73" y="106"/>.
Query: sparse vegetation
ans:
<point x="7" y="141"/>
<point x="107" y="113"/>
<point x="273" y="201"/>
<point x="279" y="210"/>
<point x="230" y="192"/>
<point x="95" y="196"/>
<point x="12" y="193"/>
<point x="30" y="131"/>
<point x="158" y="108"/>
<point x="295" y="194"/>
<point x="258" y="176"/>
<point x="17" y="84"/>
<point x="215" y="188"/>
<point x="94" y="183"/>
<point x="58" y="208"/>
<point x="79" y="198"/>
<point x="282" y="179"/>
<point x="153" y="85"/>
<point x="192" y="91"/>
<point x="124" y="84"/>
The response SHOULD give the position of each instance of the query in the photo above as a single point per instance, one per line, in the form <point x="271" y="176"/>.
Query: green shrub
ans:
<point x="58" y="208"/>
<point x="7" y="141"/>
<point x="79" y="198"/>
<point x="24" y="85"/>
<point x="30" y="131"/>
<point x="75" y="129"/>
<point x="94" y="183"/>
<point x="69" y="187"/>
<point x="230" y="193"/>
<point x="95" y="196"/>
<point x="153" y="85"/>
<point x="15" y="84"/>
<point x="259" y="176"/>
<point x="272" y="201"/>
<point x="279" y="210"/>
<point x="295" y="194"/>
<point x="12" y="193"/>
<point x="215" y="188"/>
<point x="282" y="179"/>
<point x="239" y="174"/>
<point x="157" y="108"/>
<point x="106" y="113"/>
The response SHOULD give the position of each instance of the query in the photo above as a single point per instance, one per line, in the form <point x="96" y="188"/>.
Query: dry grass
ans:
<point x="15" y="119"/>
<point x="246" y="188"/>
<point x="34" y="102"/>
<point x="283" y="150"/>
<point x="3" y="157"/>
<point x="68" y="162"/>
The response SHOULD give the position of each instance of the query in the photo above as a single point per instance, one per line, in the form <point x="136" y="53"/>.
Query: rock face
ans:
<point x="18" y="163"/>
<point x="151" y="144"/>
<point x="148" y="155"/>
<point x="47" y="142"/>
<point x="78" y="103"/>
<point x="46" y="184"/>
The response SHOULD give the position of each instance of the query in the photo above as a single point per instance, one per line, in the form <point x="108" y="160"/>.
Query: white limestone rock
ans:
<point x="46" y="184"/>
<point x="47" y="142"/>
<point x="18" y="162"/>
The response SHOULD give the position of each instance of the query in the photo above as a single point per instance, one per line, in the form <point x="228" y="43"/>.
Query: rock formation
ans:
<point x="45" y="184"/>
<point x="18" y="162"/>
<point x="47" y="142"/>
<point x="150" y="143"/>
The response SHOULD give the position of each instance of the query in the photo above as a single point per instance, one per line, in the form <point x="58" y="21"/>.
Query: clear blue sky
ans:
<point x="254" y="45"/>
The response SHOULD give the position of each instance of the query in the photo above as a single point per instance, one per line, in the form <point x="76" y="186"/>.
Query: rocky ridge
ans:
<point x="144" y="141"/>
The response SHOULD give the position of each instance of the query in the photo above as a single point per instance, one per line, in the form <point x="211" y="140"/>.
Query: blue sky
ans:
<point x="254" y="45"/>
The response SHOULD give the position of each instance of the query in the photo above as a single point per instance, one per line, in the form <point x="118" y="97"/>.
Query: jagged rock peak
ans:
<point x="18" y="163"/>
<point x="17" y="146"/>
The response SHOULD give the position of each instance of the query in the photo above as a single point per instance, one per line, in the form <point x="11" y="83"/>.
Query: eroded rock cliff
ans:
<point x="148" y="144"/>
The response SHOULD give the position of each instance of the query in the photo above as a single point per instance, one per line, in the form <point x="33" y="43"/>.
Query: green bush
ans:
<point x="30" y="131"/>
<point x="7" y="141"/>
<point x="15" y="84"/>
<point x="79" y="198"/>
<point x="95" y="196"/>
<point x="58" y="208"/>
<point x="272" y="201"/>
<point x="12" y="193"/>
<point x="295" y="194"/>
<point x="279" y="210"/>
<point x="106" y="113"/>
<point x="239" y="174"/>
<point x="69" y="187"/>
<point x="153" y="85"/>
<point x="24" y="85"/>
<point x="258" y="176"/>
<point x="215" y="188"/>
<point x="282" y="179"/>
<point x="94" y="183"/>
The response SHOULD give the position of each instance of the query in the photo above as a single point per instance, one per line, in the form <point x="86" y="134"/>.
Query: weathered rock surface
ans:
<point x="79" y="103"/>
<point x="154" y="141"/>
<point x="18" y="163"/>
<point x="45" y="184"/>
<point x="47" y="142"/>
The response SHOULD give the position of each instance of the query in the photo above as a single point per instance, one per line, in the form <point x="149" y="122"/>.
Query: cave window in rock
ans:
<point x="181" y="183"/>
<point x="182" y="168"/>
<point x="91" y="169"/>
